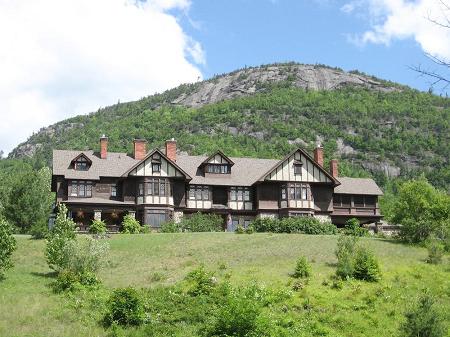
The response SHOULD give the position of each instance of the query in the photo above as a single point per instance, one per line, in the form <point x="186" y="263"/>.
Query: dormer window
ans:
<point x="218" y="168"/>
<point x="81" y="163"/>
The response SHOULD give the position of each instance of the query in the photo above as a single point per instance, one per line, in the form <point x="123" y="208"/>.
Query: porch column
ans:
<point x="97" y="215"/>
<point x="132" y="214"/>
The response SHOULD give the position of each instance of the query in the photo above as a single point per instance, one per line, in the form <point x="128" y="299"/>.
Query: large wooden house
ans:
<point x="157" y="186"/>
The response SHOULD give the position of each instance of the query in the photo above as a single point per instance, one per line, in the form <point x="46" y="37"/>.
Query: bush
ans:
<point x="423" y="320"/>
<point x="68" y="280"/>
<point x="39" y="230"/>
<point x="130" y="225"/>
<point x="345" y="252"/>
<point x="305" y="225"/>
<point x="124" y="308"/>
<point x="62" y="232"/>
<point x="86" y="255"/>
<point x="302" y="269"/>
<point x="436" y="250"/>
<point x="239" y="230"/>
<point x="7" y="246"/>
<point x="249" y="230"/>
<point x="201" y="222"/>
<point x="170" y="227"/>
<point x="352" y="227"/>
<point x="237" y="317"/>
<point x="366" y="266"/>
<point x="200" y="282"/>
<point x="97" y="227"/>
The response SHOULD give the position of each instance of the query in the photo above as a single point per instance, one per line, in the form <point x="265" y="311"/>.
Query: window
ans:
<point x="247" y="223"/>
<point x="114" y="191"/>
<point x="341" y="200"/>
<point x="141" y="189"/>
<point x="218" y="168"/>
<point x="369" y="201"/>
<point x="239" y="193"/>
<point x="157" y="186"/>
<point x="81" y="164"/>
<point x="296" y="191"/>
<point x="198" y="192"/>
<point x="81" y="189"/>
<point x="156" y="167"/>
<point x="358" y="200"/>
<point x="298" y="168"/>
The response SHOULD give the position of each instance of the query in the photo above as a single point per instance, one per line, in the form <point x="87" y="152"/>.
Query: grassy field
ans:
<point x="28" y="307"/>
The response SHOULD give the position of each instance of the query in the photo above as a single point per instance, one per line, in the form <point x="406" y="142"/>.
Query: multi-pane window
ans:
<point x="218" y="168"/>
<point x="294" y="191"/>
<point x="239" y="193"/>
<point x="157" y="186"/>
<point x="156" y="167"/>
<point x="342" y="200"/>
<point x="198" y="192"/>
<point x="81" y="164"/>
<point x="114" y="191"/>
<point x="140" y="189"/>
<point x="81" y="189"/>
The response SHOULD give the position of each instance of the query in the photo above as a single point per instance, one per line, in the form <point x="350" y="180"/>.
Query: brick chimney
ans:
<point x="139" y="149"/>
<point x="334" y="171"/>
<point x="171" y="149"/>
<point x="318" y="155"/>
<point x="103" y="147"/>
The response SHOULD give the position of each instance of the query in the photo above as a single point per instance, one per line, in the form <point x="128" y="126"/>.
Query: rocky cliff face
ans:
<point x="253" y="80"/>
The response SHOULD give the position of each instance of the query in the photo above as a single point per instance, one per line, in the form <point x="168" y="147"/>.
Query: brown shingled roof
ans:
<point x="365" y="186"/>
<point x="114" y="165"/>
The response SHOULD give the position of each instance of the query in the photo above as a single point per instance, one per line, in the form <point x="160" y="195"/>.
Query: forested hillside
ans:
<point x="375" y="127"/>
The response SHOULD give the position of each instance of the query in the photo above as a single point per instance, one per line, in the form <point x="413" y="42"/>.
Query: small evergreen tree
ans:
<point x="423" y="320"/>
<point x="302" y="269"/>
<point x="7" y="246"/>
<point x="62" y="232"/>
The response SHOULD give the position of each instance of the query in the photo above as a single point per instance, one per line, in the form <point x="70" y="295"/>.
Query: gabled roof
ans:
<point x="82" y="155"/>
<point x="151" y="153"/>
<point x="280" y="162"/>
<point x="114" y="165"/>
<point x="245" y="172"/>
<point x="364" y="186"/>
<point x="220" y="153"/>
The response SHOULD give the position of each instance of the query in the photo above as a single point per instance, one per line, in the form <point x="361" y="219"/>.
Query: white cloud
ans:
<point x="59" y="58"/>
<point x="404" y="19"/>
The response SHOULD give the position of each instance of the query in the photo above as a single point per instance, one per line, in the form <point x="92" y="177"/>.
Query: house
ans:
<point x="157" y="186"/>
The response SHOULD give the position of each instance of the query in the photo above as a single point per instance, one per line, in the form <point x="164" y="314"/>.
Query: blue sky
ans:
<point x="245" y="32"/>
<point x="62" y="58"/>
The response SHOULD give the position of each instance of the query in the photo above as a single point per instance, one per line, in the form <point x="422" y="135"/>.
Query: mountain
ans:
<point x="375" y="127"/>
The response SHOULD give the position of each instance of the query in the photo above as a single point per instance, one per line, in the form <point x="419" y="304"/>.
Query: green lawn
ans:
<point x="28" y="307"/>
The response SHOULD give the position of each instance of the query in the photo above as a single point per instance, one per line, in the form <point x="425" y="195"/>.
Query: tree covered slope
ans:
<point x="375" y="127"/>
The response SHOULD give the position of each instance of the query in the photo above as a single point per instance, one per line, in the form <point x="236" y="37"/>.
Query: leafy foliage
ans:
<point x="366" y="266"/>
<point x="7" y="246"/>
<point x="422" y="211"/>
<point x="352" y="227"/>
<point x="424" y="319"/>
<point x="97" y="227"/>
<point x="302" y="268"/>
<point x="200" y="281"/>
<point x="125" y="307"/>
<point x="130" y="225"/>
<point x="346" y="248"/>
<point x="197" y="222"/>
<point x="305" y="225"/>
<point x="63" y="231"/>
<point x="436" y="250"/>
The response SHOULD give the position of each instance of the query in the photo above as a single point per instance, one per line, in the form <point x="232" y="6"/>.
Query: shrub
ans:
<point x="352" y="227"/>
<point x="39" y="230"/>
<point x="249" y="230"/>
<point x="7" y="246"/>
<point x="366" y="266"/>
<point x="200" y="281"/>
<point x="130" y="225"/>
<point x="124" y="308"/>
<point x="302" y="269"/>
<point x="97" y="227"/>
<point x="62" y="232"/>
<point x="239" y="230"/>
<point x="170" y="227"/>
<point x="436" y="250"/>
<point x="423" y="320"/>
<point x="345" y="252"/>
<point x="305" y="225"/>
<point x="237" y="317"/>
<point x="86" y="255"/>
<point x="68" y="280"/>
<point x="201" y="222"/>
